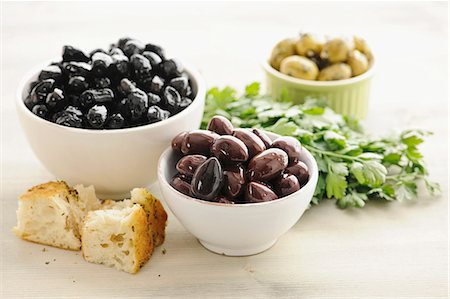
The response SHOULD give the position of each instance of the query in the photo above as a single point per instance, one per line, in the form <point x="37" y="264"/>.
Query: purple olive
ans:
<point x="221" y="125"/>
<point x="207" y="180"/>
<point x="253" y="142"/>
<point x="290" y="145"/>
<point x="224" y="200"/>
<point x="300" y="170"/>
<point x="286" y="184"/>
<point x="181" y="185"/>
<point x="177" y="141"/>
<point x="229" y="149"/>
<point x="267" y="165"/>
<point x="234" y="181"/>
<point x="263" y="136"/>
<point x="189" y="164"/>
<point x="198" y="142"/>
<point x="257" y="192"/>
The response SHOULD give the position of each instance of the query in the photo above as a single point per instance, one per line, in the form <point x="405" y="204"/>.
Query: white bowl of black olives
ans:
<point x="236" y="190"/>
<point x="104" y="118"/>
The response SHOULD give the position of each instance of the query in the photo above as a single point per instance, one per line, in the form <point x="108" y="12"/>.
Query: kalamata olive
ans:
<point x="207" y="180"/>
<point x="234" y="181"/>
<point x="286" y="184"/>
<point x="338" y="71"/>
<point x="253" y="142"/>
<point x="177" y="141"/>
<point x="267" y="165"/>
<point x="181" y="185"/>
<point x="263" y="136"/>
<point x="290" y="145"/>
<point x="299" y="67"/>
<point x="358" y="62"/>
<point x="300" y="170"/>
<point x="282" y="50"/>
<point x="224" y="200"/>
<point x="198" y="142"/>
<point x="221" y="125"/>
<point x="189" y="164"/>
<point x="256" y="192"/>
<point x="229" y="149"/>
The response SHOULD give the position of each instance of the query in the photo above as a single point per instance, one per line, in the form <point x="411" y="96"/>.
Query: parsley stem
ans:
<point x="331" y="154"/>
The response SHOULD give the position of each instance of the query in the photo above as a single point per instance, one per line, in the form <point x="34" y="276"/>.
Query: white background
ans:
<point x="384" y="250"/>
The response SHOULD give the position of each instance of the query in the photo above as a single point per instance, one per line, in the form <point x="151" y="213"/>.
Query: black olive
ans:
<point x="40" y="110"/>
<point x="181" y="84"/>
<point x="133" y="46"/>
<point x="155" y="114"/>
<point x="77" y="69"/>
<point x="77" y="84"/>
<point x="96" y="116"/>
<point x="51" y="72"/>
<point x="73" y="54"/>
<point x="115" y="121"/>
<point x="100" y="64"/>
<point x="41" y="91"/>
<point x="56" y="100"/>
<point x="155" y="49"/>
<point x="171" y="68"/>
<point x="154" y="59"/>
<point x="153" y="99"/>
<point x="172" y="99"/>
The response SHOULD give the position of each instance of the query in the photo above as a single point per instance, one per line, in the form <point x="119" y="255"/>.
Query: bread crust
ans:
<point x="48" y="190"/>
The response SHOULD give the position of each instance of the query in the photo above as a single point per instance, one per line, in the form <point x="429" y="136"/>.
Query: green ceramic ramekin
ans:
<point x="347" y="97"/>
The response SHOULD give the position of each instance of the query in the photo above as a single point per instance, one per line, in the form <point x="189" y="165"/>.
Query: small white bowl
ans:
<point x="114" y="161"/>
<point x="236" y="229"/>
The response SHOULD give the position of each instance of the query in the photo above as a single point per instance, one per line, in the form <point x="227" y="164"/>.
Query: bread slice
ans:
<point x="46" y="215"/>
<point x="157" y="216"/>
<point x="117" y="237"/>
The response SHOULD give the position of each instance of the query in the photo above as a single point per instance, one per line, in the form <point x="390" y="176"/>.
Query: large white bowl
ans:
<point x="238" y="229"/>
<point x="114" y="161"/>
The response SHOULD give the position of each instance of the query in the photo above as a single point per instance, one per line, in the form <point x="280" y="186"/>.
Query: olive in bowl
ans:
<point x="115" y="160"/>
<point x="247" y="218"/>
<point x="339" y="70"/>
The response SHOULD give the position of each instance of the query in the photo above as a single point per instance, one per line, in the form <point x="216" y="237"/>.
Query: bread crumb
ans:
<point x="47" y="263"/>
<point x="159" y="275"/>
<point x="44" y="249"/>
<point x="164" y="251"/>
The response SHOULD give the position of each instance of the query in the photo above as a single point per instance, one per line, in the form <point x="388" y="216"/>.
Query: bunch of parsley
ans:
<point x="353" y="167"/>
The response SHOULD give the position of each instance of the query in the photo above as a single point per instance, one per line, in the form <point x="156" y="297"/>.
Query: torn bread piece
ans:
<point x="117" y="238"/>
<point x="157" y="216"/>
<point x="52" y="213"/>
<point x="46" y="215"/>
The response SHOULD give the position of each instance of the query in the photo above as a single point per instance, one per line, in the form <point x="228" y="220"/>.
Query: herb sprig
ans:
<point x="353" y="167"/>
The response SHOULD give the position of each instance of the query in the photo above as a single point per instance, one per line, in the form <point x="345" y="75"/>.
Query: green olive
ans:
<point x="358" y="62"/>
<point x="282" y="50"/>
<point x="338" y="71"/>
<point x="362" y="46"/>
<point x="299" y="67"/>
<point x="336" y="50"/>
<point x="308" y="45"/>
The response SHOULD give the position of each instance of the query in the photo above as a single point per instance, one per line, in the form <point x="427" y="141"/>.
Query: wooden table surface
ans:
<point x="395" y="250"/>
